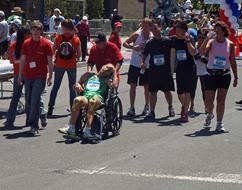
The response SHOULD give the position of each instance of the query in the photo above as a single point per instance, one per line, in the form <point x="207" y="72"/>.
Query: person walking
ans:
<point x="84" y="35"/>
<point x="221" y="59"/>
<point x="67" y="49"/>
<point x="35" y="64"/>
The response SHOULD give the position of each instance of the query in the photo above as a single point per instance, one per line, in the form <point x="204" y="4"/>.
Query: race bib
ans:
<point x="159" y="60"/>
<point x="181" y="55"/>
<point x="93" y="85"/>
<point x="219" y="62"/>
<point x="32" y="65"/>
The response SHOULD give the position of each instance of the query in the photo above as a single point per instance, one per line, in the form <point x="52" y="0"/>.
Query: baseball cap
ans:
<point x="84" y="18"/>
<point x="118" y="24"/>
<point x="57" y="10"/>
<point x="2" y="14"/>
<point x="100" y="37"/>
<point x="16" y="22"/>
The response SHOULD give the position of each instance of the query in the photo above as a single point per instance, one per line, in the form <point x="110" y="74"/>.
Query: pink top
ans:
<point x="219" y="55"/>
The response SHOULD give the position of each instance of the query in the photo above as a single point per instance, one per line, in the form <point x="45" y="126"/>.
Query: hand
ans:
<point x="49" y="81"/>
<point x="115" y="83"/>
<point x="20" y="80"/>
<point x="188" y="37"/>
<point x="77" y="87"/>
<point x="142" y="66"/>
<point x="235" y="82"/>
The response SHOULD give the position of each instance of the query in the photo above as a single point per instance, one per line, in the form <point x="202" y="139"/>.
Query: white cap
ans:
<point x="84" y="18"/>
<point x="2" y="14"/>
<point x="17" y="22"/>
<point x="57" y="10"/>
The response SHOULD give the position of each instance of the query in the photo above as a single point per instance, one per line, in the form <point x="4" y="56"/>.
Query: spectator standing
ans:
<point x="15" y="25"/>
<point x="17" y="13"/>
<point x="36" y="60"/>
<point x="84" y="35"/>
<point x="56" y="14"/>
<point x="114" y="37"/>
<point x="4" y="34"/>
<point x="47" y="21"/>
<point x="115" y="17"/>
<point x="67" y="48"/>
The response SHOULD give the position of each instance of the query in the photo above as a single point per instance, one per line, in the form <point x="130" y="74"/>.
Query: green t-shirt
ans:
<point x="95" y="87"/>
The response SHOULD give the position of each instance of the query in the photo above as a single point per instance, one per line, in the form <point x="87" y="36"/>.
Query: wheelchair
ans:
<point x="108" y="118"/>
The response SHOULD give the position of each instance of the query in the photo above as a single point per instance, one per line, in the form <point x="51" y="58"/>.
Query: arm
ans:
<point x="190" y="45"/>
<point x="130" y="40"/>
<point x="50" y="70"/>
<point x="233" y="64"/>
<point x="79" y="51"/>
<point x="21" y="68"/>
<point x="79" y="86"/>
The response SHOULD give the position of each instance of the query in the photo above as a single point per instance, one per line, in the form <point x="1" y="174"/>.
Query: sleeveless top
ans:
<point x="136" y="56"/>
<point x="219" y="55"/>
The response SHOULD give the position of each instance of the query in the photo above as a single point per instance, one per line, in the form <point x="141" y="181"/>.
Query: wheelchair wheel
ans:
<point x="20" y="108"/>
<point x="117" y="117"/>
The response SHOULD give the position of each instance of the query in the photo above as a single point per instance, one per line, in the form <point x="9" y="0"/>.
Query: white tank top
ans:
<point x="136" y="56"/>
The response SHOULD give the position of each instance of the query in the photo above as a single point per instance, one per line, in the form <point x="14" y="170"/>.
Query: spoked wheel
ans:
<point x="117" y="119"/>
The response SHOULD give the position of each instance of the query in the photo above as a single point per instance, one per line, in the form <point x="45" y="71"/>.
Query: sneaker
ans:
<point x="146" y="110"/>
<point x="87" y="134"/>
<point x="8" y="125"/>
<point x="208" y="120"/>
<point x="66" y="130"/>
<point x="50" y="112"/>
<point x="239" y="102"/>
<point x="150" y="116"/>
<point x="43" y="120"/>
<point x="220" y="128"/>
<point x="171" y="112"/>
<point x="131" y="112"/>
<point x="33" y="131"/>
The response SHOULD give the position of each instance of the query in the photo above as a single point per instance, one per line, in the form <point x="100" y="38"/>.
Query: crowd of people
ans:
<point x="192" y="48"/>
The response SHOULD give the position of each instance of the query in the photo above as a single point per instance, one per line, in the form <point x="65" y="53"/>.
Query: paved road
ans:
<point x="158" y="155"/>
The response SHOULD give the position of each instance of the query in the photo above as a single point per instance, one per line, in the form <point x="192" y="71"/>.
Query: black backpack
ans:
<point x="66" y="50"/>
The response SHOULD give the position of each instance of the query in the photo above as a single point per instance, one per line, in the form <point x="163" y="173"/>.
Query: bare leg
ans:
<point x="221" y="96"/>
<point x="209" y="100"/>
<point x="93" y="105"/>
<point x="132" y="95"/>
<point x="168" y="96"/>
<point x="79" y="102"/>
<point x="153" y="100"/>
<point x="147" y="94"/>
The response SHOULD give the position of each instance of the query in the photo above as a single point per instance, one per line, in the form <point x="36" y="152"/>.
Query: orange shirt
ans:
<point x="71" y="63"/>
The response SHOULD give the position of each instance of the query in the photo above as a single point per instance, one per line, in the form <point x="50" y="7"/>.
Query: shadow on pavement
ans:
<point x="58" y="116"/>
<point x="194" y="114"/>
<point x="15" y="128"/>
<point x="206" y="132"/>
<point x="24" y="134"/>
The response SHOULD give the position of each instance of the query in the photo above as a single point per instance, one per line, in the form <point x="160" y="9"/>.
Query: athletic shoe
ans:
<point x="87" y="134"/>
<point x="8" y="125"/>
<point x="239" y="102"/>
<point x="43" y="120"/>
<point x="146" y="110"/>
<point x="66" y="130"/>
<point x="131" y="112"/>
<point x="150" y="116"/>
<point x="33" y="131"/>
<point x="171" y="112"/>
<point x="220" y="128"/>
<point x="208" y="120"/>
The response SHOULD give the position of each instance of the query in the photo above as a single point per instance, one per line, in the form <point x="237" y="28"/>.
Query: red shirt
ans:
<point x="83" y="29"/>
<point x="172" y="32"/>
<point x="114" y="38"/>
<point x="36" y="65"/>
<point x="100" y="57"/>
<point x="70" y="63"/>
<point x="12" y="59"/>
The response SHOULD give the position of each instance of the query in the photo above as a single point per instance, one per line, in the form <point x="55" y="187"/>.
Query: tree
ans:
<point x="94" y="8"/>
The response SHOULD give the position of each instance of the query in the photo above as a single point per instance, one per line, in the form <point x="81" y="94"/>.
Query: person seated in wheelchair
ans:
<point x="92" y="88"/>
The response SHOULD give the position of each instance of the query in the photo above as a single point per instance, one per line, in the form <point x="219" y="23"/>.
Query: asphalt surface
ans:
<point x="163" y="154"/>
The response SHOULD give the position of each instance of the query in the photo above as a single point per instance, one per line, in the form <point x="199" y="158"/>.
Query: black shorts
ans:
<point x="185" y="80"/>
<point x="159" y="79"/>
<point x="3" y="47"/>
<point x="134" y="76"/>
<point x="212" y="83"/>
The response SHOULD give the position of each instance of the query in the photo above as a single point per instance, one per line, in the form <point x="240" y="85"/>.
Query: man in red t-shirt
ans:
<point x="114" y="37"/>
<point x="104" y="52"/>
<point x="36" y="61"/>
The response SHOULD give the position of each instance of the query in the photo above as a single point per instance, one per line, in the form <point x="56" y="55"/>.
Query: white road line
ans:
<point x="214" y="178"/>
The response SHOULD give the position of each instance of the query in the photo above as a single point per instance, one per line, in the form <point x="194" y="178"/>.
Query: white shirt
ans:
<point x="4" y="31"/>
<point x="52" y="23"/>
